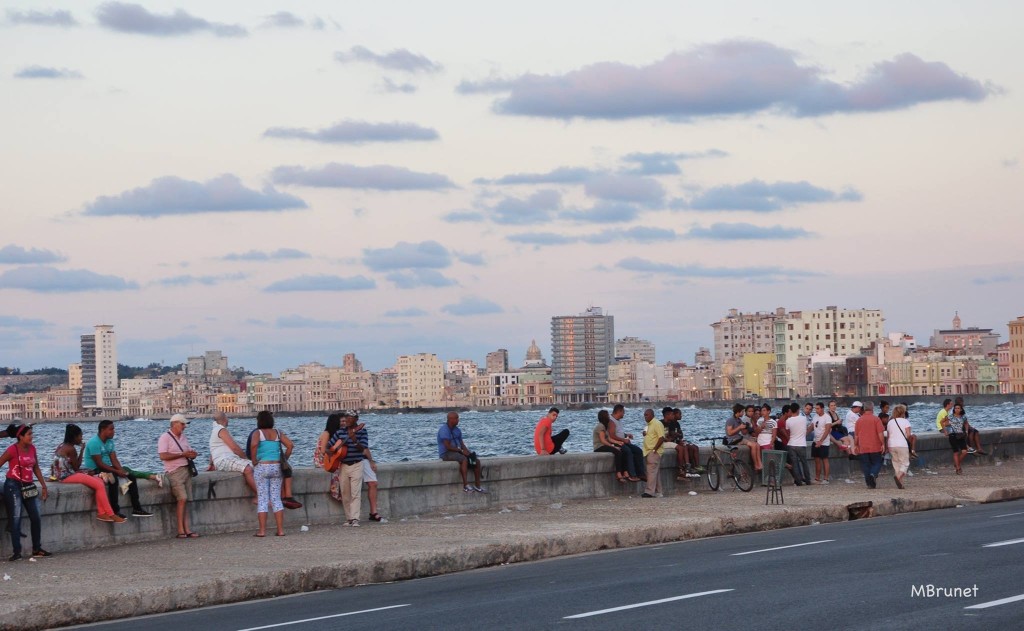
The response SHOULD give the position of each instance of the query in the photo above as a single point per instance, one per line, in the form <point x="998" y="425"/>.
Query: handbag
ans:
<point x="286" y="466"/>
<point x="192" y="470"/>
<point x="913" y="454"/>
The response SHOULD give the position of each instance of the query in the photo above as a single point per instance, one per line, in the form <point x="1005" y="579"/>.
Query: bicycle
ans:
<point x="739" y="471"/>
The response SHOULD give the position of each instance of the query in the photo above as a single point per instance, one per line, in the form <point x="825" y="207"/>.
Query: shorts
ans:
<point x="819" y="452"/>
<point x="232" y="463"/>
<point x="669" y="445"/>
<point x="765" y="447"/>
<point x="958" y="442"/>
<point x="181" y="483"/>
<point x="369" y="475"/>
<point x="453" y="456"/>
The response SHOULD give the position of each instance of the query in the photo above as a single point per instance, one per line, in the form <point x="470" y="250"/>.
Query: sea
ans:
<point x="400" y="437"/>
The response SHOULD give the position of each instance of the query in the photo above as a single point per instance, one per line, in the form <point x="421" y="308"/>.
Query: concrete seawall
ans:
<point x="223" y="503"/>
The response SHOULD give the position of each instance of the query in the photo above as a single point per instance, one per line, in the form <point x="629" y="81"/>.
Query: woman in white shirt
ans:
<point x="900" y="438"/>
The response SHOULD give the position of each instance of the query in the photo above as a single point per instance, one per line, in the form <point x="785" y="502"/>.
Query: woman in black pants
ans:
<point x="605" y="442"/>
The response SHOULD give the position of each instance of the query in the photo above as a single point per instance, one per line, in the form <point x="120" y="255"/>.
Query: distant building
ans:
<point x="534" y="358"/>
<point x="969" y="341"/>
<point x="703" y="357"/>
<point x="464" y="367"/>
<point x="99" y="368"/>
<point x="582" y="348"/>
<point x="497" y="361"/>
<point x="1003" y="364"/>
<point x="74" y="376"/>
<point x="634" y="348"/>
<point x="740" y="333"/>
<point x="1017" y="356"/>
<point x="420" y="380"/>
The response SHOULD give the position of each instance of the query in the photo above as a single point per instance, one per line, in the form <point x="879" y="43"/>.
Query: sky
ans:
<point x="289" y="182"/>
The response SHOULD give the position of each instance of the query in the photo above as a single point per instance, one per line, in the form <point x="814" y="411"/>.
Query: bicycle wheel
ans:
<point x="742" y="476"/>
<point x="714" y="470"/>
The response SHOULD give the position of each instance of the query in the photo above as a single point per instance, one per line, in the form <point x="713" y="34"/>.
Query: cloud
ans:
<point x="626" y="188"/>
<point x="43" y="72"/>
<point x="994" y="279"/>
<point x="175" y="196"/>
<point x="302" y="322"/>
<point x="16" y="255"/>
<point x="543" y="238"/>
<point x="471" y="258"/>
<point x="357" y="132"/>
<point x="1010" y="163"/>
<point x="637" y="234"/>
<point x="189" y="280"/>
<point x="379" y="177"/>
<point x="45" y="279"/>
<point x="411" y="312"/>
<point x="471" y="305"/>
<point x="134" y="18"/>
<point x="399" y="59"/>
<point x="636" y="264"/>
<point x="659" y="163"/>
<point x="746" y="231"/>
<point x="404" y="255"/>
<point x="603" y="212"/>
<point x="537" y="208"/>
<point x="759" y="196"/>
<point x="280" y="254"/>
<point x="726" y="78"/>
<point x="321" y="282"/>
<point x="14" y="322"/>
<point x="283" y="19"/>
<point x="42" y="18"/>
<point x="420" y="278"/>
<point x="561" y="175"/>
<point x="463" y="216"/>
<point x="393" y="87"/>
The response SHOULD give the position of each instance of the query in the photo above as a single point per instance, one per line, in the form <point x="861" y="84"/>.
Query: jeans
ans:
<point x="798" y="457"/>
<point x="133" y="494"/>
<point x="635" y="462"/>
<point x="14" y="503"/>
<point x="871" y="464"/>
<point x="558" y="439"/>
<point x="620" y="462"/>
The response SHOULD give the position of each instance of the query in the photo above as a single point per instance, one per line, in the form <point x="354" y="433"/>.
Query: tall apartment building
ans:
<point x="497" y="361"/>
<point x="420" y="380"/>
<point x="74" y="376"/>
<point x="1017" y="356"/>
<point x="740" y="333"/>
<point x="99" y="367"/>
<point x="832" y="329"/>
<point x="582" y="348"/>
<point x="634" y="348"/>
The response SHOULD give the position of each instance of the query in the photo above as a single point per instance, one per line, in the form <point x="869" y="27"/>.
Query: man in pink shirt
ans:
<point x="175" y="452"/>
<point x="870" y="442"/>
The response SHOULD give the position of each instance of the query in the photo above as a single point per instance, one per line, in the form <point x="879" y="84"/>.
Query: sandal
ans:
<point x="254" y="535"/>
<point x="192" y="535"/>
<point x="181" y="535"/>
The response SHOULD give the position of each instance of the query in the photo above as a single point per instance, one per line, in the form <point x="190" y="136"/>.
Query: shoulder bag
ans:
<point x="192" y="470"/>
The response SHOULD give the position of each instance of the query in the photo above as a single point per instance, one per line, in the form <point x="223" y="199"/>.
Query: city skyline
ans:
<point x="291" y="186"/>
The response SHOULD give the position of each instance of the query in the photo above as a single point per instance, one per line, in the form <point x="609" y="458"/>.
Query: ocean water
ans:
<point x="398" y="437"/>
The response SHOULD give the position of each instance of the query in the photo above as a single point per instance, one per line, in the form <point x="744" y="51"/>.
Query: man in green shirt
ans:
<point x="654" y="438"/>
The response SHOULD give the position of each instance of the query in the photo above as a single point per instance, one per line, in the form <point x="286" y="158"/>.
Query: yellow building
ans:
<point x="1017" y="356"/>
<point x="757" y="368"/>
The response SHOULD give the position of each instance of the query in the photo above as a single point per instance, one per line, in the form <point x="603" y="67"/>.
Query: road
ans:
<point x="849" y="575"/>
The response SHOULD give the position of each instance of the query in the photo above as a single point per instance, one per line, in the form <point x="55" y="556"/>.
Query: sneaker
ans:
<point x="141" y="513"/>
<point x="646" y="495"/>
<point x="355" y="523"/>
<point x="562" y="450"/>
<point x="479" y="489"/>
<point x="117" y="519"/>
<point x="467" y="489"/>
<point x="376" y="517"/>
<point x="658" y="495"/>
<point x="40" y="553"/>
<point x="825" y="482"/>
<point x="971" y="450"/>
<point x="124" y="486"/>
<point x="109" y="518"/>
<point x="121" y="515"/>
<point x="160" y="481"/>
<point x="15" y="557"/>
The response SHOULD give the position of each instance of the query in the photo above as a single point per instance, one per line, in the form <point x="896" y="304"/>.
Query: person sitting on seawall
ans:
<point x="739" y="433"/>
<point x="451" y="448"/>
<point x="633" y="454"/>
<point x="21" y="492"/>
<point x="973" y="435"/>
<point x="689" y="452"/>
<point x="267" y="453"/>
<point x="603" y="443"/>
<point x="100" y="458"/>
<point x="955" y="427"/>
<point x="226" y="455"/>
<point x="545" y="442"/>
<point x="66" y="464"/>
<point x="841" y="437"/>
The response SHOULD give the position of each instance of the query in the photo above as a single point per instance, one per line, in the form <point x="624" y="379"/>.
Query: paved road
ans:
<point x="842" y="576"/>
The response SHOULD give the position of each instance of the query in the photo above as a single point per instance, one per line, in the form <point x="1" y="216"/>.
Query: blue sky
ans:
<point x="290" y="182"/>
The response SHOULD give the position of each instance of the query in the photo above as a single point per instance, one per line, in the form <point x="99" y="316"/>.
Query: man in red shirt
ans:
<point x="543" y="441"/>
<point x="870" y="442"/>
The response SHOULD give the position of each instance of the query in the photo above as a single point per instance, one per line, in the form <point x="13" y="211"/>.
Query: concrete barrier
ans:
<point x="223" y="503"/>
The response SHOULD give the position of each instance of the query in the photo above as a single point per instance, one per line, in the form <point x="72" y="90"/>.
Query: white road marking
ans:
<point x="997" y="544"/>
<point x="795" y="545"/>
<point x="1007" y="515"/>
<point x="646" y="604"/>
<point x="337" y="615"/>
<point x="996" y="603"/>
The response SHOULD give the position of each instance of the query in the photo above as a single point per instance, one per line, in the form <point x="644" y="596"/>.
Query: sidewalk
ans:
<point x="179" y="574"/>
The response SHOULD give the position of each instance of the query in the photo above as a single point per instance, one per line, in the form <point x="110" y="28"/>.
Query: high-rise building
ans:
<point x="634" y="348"/>
<point x="497" y="361"/>
<point x="1017" y="356"/>
<point x="740" y="333"/>
<point x="99" y="368"/>
<point x="420" y="380"/>
<point x="582" y="348"/>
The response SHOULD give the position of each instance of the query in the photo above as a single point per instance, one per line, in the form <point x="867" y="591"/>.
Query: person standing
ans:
<point x="268" y="448"/>
<point x="175" y="453"/>
<point x="869" y="440"/>
<point x="357" y="445"/>
<point x="796" y="425"/>
<point x="545" y="441"/>
<point x="822" y="424"/>
<point x="21" y="492"/>
<point x="654" y="439"/>
<point x="901" y="439"/>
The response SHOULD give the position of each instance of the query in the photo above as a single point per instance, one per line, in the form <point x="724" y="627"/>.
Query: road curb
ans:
<point x="60" y="610"/>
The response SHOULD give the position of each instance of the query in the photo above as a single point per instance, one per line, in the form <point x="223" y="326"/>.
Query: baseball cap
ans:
<point x="857" y="404"/>
<point x="351" y="413"/>
<point x="180" y="418"/>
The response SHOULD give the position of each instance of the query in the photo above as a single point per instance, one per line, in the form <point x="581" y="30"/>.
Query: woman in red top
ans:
<point x="21" y="465"/>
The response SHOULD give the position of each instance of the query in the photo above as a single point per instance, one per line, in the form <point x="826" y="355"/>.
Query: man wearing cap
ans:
<point x="357" y="443"/>
<point x="852" y="416"/>
<point x="175" y="452"/>
<point x="225" y="454"/>
<point x="100" y="458"/>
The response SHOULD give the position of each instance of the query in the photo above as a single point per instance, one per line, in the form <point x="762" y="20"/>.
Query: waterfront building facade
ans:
<point x="420" y="380"/>
<point x="969" y="341"/>
<point x="740" y="333"/>
<point x="497" y="361"/>
<point x="582" y="349"/>
<point x="99" y="368"/>
<point x="1016" y="352"/>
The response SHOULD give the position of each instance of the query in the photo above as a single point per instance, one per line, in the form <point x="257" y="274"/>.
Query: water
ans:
<point x="413" y="436"/>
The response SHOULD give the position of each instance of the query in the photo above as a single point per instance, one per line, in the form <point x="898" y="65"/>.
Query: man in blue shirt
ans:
<point x="99" y="457"/>
<point x="451" y="448"/>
